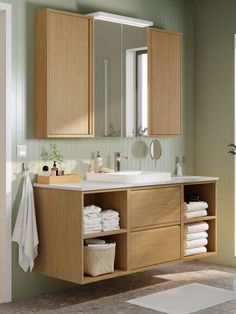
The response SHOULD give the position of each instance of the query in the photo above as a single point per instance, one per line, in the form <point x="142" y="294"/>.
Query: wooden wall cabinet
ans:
<point x="146" y="238"/>
<point x="164" y="82"/>
<point x="63" y="74"/>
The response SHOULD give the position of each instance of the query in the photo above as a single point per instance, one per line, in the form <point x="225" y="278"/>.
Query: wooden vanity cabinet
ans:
<point x="63" y="74"/>
<point x="151" y="228"/>
<point x="155" y="216"/>
<point x="164" y="82"/>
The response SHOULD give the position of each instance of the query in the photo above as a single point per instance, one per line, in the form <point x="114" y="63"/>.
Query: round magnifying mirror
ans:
<point x="155" y="149"/>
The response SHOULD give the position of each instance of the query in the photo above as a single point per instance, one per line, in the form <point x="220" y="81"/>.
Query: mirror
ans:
<point x="155" y="149"/>
<point x="120" y="82"/>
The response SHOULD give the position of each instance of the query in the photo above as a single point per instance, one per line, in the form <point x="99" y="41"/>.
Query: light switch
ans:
<point x="21" y="151"/>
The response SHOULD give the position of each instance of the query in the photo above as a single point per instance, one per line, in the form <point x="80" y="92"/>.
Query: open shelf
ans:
<point x="198" y="219"/>
<point x="116" y="273"/>
<point x="104" y="233"/>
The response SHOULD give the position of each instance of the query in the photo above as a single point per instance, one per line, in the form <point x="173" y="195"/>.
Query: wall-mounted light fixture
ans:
<point x="120" y="19"/>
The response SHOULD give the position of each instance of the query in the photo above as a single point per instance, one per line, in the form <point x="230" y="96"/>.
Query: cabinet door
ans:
<point x="155" y="206"/>
<point x="164" y="82"/>
<point x="63" y="74"/>
<point x="155" y="246"/>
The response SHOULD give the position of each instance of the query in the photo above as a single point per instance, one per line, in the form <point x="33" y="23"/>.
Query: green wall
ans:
<point x="176" y="15"/>
<point x="215" y="29"/>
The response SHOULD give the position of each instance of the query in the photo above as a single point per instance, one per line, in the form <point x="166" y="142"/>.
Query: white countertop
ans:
<point x="95" y="186"/>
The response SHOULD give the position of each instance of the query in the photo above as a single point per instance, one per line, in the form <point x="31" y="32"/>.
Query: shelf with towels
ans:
<point x="206" y="193"/>
<point x="103" y="233"/>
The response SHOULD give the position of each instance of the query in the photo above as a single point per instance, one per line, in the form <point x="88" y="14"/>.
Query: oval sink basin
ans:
<point x="129" y="176"/>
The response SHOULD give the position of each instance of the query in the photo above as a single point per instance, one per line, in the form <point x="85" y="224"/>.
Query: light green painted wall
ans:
<point x="176" y="15"/>
<point x="215" y="29"/>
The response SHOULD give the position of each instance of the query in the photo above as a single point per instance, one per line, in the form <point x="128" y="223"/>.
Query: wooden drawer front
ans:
<point x="154" y="246"/>
<point x="154" y="206"/>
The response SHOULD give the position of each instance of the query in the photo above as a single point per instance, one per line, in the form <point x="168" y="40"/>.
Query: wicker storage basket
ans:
<point x="99" y="260"/>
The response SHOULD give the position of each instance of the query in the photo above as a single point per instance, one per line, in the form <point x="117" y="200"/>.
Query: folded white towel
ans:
<point x="196" y="250"/>
<point x="194" y="214"/>
<point x="92" y="225"/>
<point x="109" y="213"/>
<point x="192" y="206"/>
<point x="196" y="235"/>
<point x="25" y="231"/>
<point x="91" y="209"/>
<point x="92" y="230"/>
<point x="92" y="220"/>
<point x="188" y="244"/>
<point x="110" y="219"/>
<point x="196" y="227"/>
<point x="110" y="228"/>
<point x="94" y="241"/>
<point x="91" y="215"/>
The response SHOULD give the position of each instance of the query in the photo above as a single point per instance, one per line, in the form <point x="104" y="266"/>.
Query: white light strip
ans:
<point x="104" y="16"/>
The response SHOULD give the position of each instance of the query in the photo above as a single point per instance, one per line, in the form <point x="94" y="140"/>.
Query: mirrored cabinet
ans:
<point x="100" y="78"/>
<point x="120" y="81"/>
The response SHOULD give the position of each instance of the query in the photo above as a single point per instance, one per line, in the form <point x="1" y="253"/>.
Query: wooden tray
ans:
<point x="67" y="178"/>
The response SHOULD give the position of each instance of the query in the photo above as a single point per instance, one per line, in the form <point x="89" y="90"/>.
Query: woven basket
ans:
<point x="99" y="260"/>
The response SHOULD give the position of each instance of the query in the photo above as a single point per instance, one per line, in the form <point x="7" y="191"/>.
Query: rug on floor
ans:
<point x="185" y="299"/>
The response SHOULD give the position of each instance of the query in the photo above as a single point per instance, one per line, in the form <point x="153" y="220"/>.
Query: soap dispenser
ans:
<point x="98" y="163"/>
<point x="179" y="171"/>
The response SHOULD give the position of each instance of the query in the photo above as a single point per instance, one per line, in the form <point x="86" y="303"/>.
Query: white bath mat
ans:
<point x="185" y="299"/>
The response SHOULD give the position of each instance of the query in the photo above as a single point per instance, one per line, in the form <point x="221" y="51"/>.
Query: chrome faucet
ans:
<point x="117" y="159"/>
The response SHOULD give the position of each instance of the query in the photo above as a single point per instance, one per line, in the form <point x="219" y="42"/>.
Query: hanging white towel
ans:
<point x="25" y="231"/>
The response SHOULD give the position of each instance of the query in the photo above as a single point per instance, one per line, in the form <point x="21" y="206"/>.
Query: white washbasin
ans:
<point x="129" y="176"/>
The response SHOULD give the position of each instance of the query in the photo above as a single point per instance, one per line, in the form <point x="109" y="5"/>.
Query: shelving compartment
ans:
<point x="207" y="193"/>
<point x="115" y="200"/>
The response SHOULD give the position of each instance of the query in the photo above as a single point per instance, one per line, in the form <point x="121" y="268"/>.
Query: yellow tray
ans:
<point x="67" y="178"/>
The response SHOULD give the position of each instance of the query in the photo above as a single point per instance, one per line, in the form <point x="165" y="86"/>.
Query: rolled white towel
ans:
<point x="188" y="244"/>
<point x="196" y="227"/>
<point x="91" y="209"/>
<point x="194" y="214"/>
<point x="196" y="250"/>
<point x="192" y="206"/>
<point x="196" y="235"/>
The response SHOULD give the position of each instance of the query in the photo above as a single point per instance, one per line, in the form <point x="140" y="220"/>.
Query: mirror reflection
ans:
<point x="120" y="83"/>
<point x="155" y="149"/>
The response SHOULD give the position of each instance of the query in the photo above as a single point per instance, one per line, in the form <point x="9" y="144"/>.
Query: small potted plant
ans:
<point x="54" y="155"/>
<point x="232" y="150"/>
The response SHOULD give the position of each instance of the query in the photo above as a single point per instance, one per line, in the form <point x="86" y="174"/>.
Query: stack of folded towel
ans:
<point x="195" y="209"/>
<point x="92" y="219"/>
<point x="110" y="220"/>
<point x="196" y="238"/>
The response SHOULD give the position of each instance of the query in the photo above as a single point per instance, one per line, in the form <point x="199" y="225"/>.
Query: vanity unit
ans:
<point x="151" y="220"/>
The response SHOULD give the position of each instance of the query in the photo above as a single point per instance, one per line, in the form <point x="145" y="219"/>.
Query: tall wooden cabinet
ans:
<point x="63" y="74"/>
<point x="164" y="82"/>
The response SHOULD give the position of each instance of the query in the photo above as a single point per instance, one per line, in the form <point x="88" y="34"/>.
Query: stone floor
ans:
<point x="108" y="297"/>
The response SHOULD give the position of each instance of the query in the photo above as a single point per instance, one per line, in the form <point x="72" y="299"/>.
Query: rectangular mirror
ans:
<point x="120" y="80"/>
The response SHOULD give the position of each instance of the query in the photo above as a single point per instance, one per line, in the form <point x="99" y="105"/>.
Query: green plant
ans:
<point x="232" y="151"/>
<point x="53" y="154"/>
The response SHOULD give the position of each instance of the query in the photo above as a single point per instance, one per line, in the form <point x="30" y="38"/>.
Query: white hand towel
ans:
<point x="109" y="213"/>
<point x="25" y="231"/>
<point x="196" y="235"/>
<point x="195" y="250"/>
<point x="188" y="244"/>
<point x="92" y="225"/>
<point x="196" y="227"/>
<point x="111" y="228"/>
<point x="194" y="214"/>
<point x="92" y="209"/>
<point x="192" y="206"/>
<point x="91" y="215"/>
<point x="92" y="220"/>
